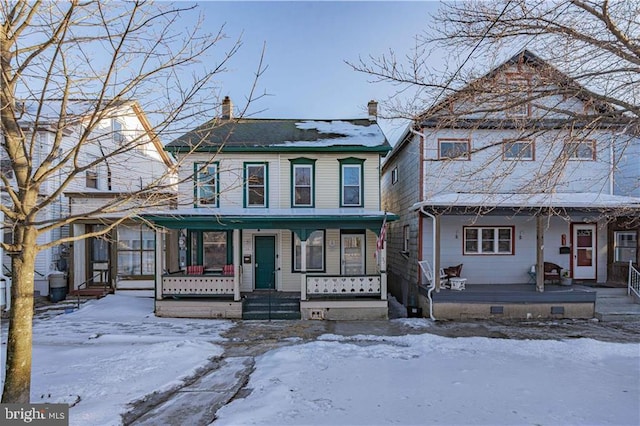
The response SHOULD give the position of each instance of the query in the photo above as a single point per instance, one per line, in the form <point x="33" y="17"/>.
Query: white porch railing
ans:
<point x="633" y="287"/>
<point x="197" y="285"/>
<point x="337" y="285"/>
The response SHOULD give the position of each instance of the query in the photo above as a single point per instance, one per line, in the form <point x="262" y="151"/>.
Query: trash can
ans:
<point x="57" y="286"/>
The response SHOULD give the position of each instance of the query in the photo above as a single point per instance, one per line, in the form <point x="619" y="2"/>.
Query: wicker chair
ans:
<point x="552" y="272"/>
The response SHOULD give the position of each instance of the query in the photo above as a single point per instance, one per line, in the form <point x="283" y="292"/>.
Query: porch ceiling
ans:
<point x="502" y="202"/>
<point x="292" y="219"/>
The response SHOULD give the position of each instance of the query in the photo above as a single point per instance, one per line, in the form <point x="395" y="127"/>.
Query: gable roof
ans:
<point x="278" y="135"/>
<point x="433" y="115"/>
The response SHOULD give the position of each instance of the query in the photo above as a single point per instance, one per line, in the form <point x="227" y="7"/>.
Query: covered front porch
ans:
<point x="331" y="259"/>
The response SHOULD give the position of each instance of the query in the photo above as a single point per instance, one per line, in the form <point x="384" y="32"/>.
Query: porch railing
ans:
<point x="340" y="285"/>
<point x="633" y="287"/>
<point x="197" y="285"/>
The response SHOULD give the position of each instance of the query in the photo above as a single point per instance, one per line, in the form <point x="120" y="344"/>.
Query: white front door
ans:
<point x="584" y="252"/>
<point x="352" y="254"/>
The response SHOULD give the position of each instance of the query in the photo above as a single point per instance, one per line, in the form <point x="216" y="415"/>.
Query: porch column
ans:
<point x="159" y="254"/>
<point x="303" y="269"/>
<point x="237" y="258"/>
<point x="539" y="253"/>
<point x="436" y="252"/>
<point x="383" y="272"/>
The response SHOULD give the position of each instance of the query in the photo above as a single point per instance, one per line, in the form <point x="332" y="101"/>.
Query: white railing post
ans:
<point x="236" y="264"/>
<point x="383" y="272"/>
<point x="303" y="269"/>
<point x="159" y="282"/>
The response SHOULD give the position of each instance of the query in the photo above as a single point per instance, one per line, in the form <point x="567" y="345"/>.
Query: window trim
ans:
<point x="462" y="157"/>
<point x="529" y="142"/>
<point x="394" y="175"/>
<point x="197" y="186"/>
<point x="496" y="239"/>
<point x="575" y="151"/>
<point x="616" y="246"/>
<point x="406" y="238"/>
<point x="294" y="236"/>
<point x="351" y="162"/>
<point x="245" y="167"/>
<point x="303" y="162"/>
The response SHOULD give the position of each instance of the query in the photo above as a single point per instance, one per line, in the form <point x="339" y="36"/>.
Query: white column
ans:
<point x="383" y="272"/>
<point x="159" y="255"/>
<point x="303" y="269"/>
<point x="236" y="264"/>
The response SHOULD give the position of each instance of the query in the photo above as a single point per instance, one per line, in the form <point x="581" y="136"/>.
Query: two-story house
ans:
<point x="270" y="208"/>
<point x="504" y="175"/>
<point x="94" y="174"/>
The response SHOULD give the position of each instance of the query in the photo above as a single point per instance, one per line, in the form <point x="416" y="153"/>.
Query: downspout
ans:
<point x="436" y="276"/>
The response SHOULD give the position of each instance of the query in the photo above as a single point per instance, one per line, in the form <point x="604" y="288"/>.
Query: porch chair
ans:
<point x="195" y="269"/>
<point x="552" y="272"/>
<point x="454" y="279"/>
<point x="425" y="266"/>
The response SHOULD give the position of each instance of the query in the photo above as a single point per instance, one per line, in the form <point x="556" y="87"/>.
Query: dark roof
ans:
<point x="282" y="135"/>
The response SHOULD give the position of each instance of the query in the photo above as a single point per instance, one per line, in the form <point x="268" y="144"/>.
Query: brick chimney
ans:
<point x="372" y="108"/>
<point x="227" y="108"/>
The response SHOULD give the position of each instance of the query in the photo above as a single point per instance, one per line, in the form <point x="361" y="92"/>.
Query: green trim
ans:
<point x="351" y="161"/>
<point x="307" y="234"/>
<point x="284" y="149"/>
<point x="197" y="166"/>
<point x="302" y="162"/>
<point x="199" y="255"/>
<point x="245" y="186"/>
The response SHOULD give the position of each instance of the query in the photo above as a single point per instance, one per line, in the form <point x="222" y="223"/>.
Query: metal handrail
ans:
<point x="85" y="284"/>
<point x="633" y="286"/>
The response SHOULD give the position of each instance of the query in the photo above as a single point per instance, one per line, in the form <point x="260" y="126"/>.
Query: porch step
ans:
<point x="613" y="304"/>
<point x="97" y="293"/>
<point x="276" y="306"/>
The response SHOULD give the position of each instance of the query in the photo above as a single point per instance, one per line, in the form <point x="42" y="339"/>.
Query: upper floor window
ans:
<point x="92" y="176"/>
<point x="116" y="129"/>
<point x="206" y="184"/>
<point x="351" y="182"/>
<point x="405" y="238"/>
<point x="454" y="149"/>
<point x="302" y="181"/>
<point x="517" y="150"/>
<point x="626" y="246"/>
<point x="488" y="240"/>
<point x="518" y="94"/>
<point x="256" y="184"/>
<point x="580" y="149"/>
<point x="394" y="175"/>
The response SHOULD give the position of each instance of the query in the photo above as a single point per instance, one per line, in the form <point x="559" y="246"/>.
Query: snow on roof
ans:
<point x="528" y="200"/>
<point x="352" y="134"/>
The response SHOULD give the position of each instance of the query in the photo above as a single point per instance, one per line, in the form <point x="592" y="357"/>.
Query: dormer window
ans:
<point x="518" y="92"/>
<point x="116" y="131"/>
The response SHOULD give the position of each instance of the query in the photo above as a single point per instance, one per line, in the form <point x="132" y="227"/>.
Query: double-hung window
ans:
<point x="488" y="240"/>
<point x="518" y="95"/>
<point x="206" y="184"/>
<point x="256" y="184"/>
<point x="314" y="249"/>
<point x="212" y="249"/>
<point x="580" y="149"/>
<point x="626" y="246"/>
<point x="302" y="182"/>
<point x="517" y="150"/>
<point x="454" y="149"/>
<point x="351" y="182"/>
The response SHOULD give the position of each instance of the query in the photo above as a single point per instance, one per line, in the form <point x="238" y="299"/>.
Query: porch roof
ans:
<point x="269" y="218"/>
<point x="564" y="200"/>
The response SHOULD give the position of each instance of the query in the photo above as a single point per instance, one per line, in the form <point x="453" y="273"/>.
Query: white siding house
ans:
<point x="507" y="182"/>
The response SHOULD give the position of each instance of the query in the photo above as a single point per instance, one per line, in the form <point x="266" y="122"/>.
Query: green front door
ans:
<point x="265" y="262"/>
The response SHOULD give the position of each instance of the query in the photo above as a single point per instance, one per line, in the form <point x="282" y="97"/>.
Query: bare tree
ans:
<point x="67" y="67"/>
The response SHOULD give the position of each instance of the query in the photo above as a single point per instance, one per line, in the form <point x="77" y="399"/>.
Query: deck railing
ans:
<point x="197" y="285"/>
<point x="633" y="287"/>
<point x="340" y="285"/>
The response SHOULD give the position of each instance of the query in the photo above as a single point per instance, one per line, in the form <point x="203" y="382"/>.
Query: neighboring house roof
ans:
<point x="575" y="200"/>
<point x="283" y="135"/>
<point x="434" y="115"/>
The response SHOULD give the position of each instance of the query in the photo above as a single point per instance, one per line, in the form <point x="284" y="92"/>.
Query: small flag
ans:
<point x="381" y="237"/>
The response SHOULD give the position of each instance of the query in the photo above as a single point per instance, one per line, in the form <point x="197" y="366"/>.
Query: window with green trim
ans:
<point x="351" y="179"/>
<point x="206" y="184"/>
<point x="315" y="252"/>
<point x="302" y="182"/>
<point x="255" y="185"/>
<point x="210" y="248"/>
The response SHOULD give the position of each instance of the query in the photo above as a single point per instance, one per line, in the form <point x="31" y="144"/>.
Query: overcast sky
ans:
<point x="307" y="44"/>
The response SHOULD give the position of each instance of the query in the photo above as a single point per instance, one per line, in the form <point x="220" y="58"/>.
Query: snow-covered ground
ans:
<point x="114" y="351"/>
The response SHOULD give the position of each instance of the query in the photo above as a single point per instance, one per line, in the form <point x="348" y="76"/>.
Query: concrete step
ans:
<point x="613" y="304"/>
<point x="273" y="315"/>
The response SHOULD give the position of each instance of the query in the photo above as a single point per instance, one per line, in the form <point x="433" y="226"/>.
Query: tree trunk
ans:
<point x="17" y="385"/>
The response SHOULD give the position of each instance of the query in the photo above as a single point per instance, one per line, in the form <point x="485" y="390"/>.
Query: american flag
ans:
<point x="383" y="233"/>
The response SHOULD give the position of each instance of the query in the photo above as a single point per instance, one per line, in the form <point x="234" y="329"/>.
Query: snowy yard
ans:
<point x="114" y="351"/>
